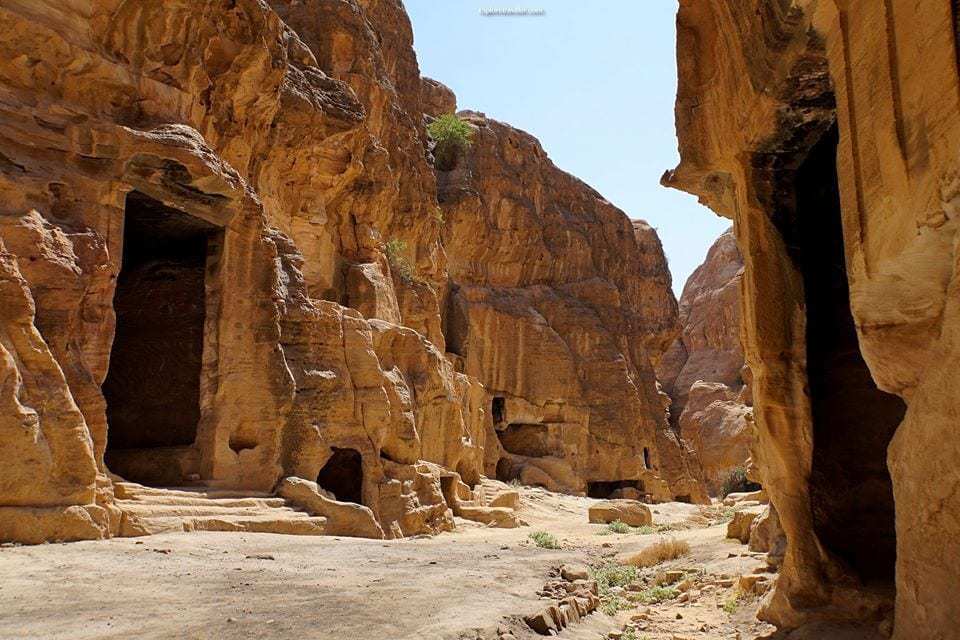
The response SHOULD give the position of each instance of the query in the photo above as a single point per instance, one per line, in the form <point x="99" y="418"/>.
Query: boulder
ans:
<point x="343" y="518"/>
<point x="500" y="517"/>
<point x="739" y="527"/>
<point x="631" y="512"/>
<point x="766" y="535"/>
<point x="507" y="499"/>
<point x="572" y="572"/>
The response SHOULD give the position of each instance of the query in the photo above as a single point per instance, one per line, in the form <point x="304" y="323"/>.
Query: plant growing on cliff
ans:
<point x="395" y="251"/>
<point x="452" y="137"/>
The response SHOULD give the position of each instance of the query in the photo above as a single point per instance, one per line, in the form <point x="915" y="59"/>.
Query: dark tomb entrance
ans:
<point x="152" y="387"/>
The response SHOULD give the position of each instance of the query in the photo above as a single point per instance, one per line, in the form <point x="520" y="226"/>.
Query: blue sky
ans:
<point x="594" y="81"/>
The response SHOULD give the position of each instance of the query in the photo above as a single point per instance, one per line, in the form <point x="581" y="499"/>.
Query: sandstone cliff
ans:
<point x="211" y="215"/>
<point x="703" y="370"/>
<point x="561" y="313"/>
<point x="828" y="133"/>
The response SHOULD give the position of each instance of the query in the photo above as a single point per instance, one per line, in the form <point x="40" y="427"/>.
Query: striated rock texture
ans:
<point x="828" y="132"/>
<point x="703" y="370"/>
<point x="560" y="308"/>
<point x="223" y="266"/>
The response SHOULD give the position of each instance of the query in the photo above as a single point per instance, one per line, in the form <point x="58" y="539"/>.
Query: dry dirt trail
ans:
<point x="468" y="584"/>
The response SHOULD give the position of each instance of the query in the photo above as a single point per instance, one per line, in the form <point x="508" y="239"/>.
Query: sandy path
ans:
<point x="229" y="585"/>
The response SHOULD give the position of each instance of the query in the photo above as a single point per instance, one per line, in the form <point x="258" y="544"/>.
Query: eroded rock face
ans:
<point x="828" y="132"/>
<point x="300" y="155"/>
<point x="703" y="370"/>
<point x="272" y="160"/>
<point x="560" y="308"/>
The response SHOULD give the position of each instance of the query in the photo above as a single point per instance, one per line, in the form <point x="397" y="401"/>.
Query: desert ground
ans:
<point x="476" y="582"/>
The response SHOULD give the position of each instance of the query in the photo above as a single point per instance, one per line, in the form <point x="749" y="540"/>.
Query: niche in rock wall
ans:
<point x="498" y="410"/>
<point x="152" y="388"/>
<point x="853" y="421"/>
<point x="646" y="458"/>
<point x="342" y="475"/>
<point x="633" y="489"/>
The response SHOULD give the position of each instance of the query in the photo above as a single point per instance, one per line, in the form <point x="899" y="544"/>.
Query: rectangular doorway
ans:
<point x="152" y="387"/>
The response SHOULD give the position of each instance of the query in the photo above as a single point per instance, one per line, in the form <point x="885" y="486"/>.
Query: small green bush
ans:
<point x="656" y="595"/>
<point x="452" y="136"/>
<point x="611" y="604"/>
<point x="396" y="254"/>
<point x="544" y="540"/>
<point x="730" y="606"/>
<point x="618" y="526"/>
<point x="736" y="482"/>
<point x="649" y="529"/>
<point x="611" y="574"/>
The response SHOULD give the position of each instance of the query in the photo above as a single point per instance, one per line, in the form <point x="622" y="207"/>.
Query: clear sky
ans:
<point x="594" y="81"/>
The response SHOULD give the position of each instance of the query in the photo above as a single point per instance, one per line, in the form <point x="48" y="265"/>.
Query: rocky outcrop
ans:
<point x="703" y="370"/>
<point x="561" y="309"/>
<point x="827" y="132"/>
<point x="223" y="265"/>
<point x="629" y="512"/>
<point x="708" y="348"/>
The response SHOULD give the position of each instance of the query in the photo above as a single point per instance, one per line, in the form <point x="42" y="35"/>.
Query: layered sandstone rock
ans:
<point x="561" y="309"/>
<point x="703" y="370"/>
<point x="828" y="133"/>
<point x="223" y="265"/>
<point x="250" y="164"/>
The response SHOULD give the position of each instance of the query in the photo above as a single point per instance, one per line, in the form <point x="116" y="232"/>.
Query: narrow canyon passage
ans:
<point x="152" y="387"/>
<point x="853" y="420"/>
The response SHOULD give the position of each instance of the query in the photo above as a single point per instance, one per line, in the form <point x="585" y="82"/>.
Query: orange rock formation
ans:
<point x="828" y="132"/>
<point x="224" y="265"/>
<point x="703" y="369"/>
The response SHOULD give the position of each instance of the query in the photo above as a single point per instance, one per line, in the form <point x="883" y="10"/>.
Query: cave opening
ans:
<point x="853" y="420"/>
<point x="342" y="475"/>
<point x="616" y="489"/>
<point x="498" y="409"/>
<point x="646" y="457"/>
<point x="152" y="388"/>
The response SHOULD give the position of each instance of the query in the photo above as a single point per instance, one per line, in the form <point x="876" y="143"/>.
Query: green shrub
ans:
<point x="611" y="604"/>
<point x="736" y="482"/>
<point x="648" y="529"/>
<point x="452" y="136"/>
<point x="730" y="606"/>
<point x="396" y="254"/>
<point x="656" y="595"/>
<point x="618" y="526"/>
<point x="611" y="574"/>
<point x="544" y="540"/>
